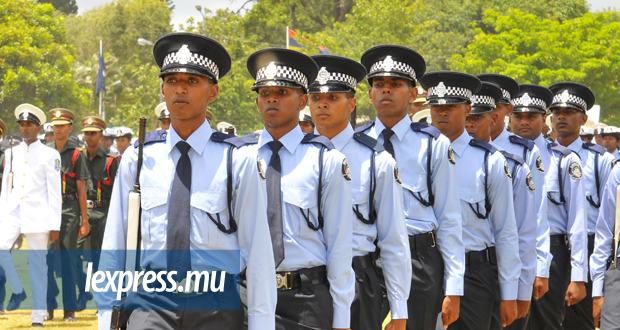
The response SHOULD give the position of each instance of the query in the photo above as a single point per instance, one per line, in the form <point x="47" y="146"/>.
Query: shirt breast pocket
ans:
<point x="303" y="205"/>
<point x="474" y="195"/>
<point x="361" y="208"/>
<point x="210" y="207"/>
<point x="415" y="190"/>
<point x="154" y="214"/>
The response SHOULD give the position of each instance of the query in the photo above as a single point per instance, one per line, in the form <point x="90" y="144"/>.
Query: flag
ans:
<point x="100" y="86"/>
<point x="323" y="50"/>
<point x="292" y="43"/>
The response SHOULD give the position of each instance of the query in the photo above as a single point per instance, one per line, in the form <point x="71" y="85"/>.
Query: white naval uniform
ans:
<point x="33" y="209"/>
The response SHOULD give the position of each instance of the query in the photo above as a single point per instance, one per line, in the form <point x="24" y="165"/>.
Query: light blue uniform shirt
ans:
<point x="604" y="169"/>
<point x="444" y="216"/>
<point x="500" y="228"/>
<point x="523" y="191"/>
<point x="389" y="228"/>
<point x="208" y="195"/>
<point x="304" y="247"/>
<point x="537" y="168"/>
<point x="616" y="154"/>
<point x="569" y="218"/>
<point x="604" y="233"/>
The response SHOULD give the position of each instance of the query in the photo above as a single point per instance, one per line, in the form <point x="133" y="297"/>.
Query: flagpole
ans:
<point x="287" y="45"/>
<point x="101" y="114"/>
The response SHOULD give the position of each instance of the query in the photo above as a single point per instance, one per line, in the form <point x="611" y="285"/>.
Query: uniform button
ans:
<point x="22" y="186"/>
<point x="471" y="199"/>
<point x="25" y="162"/>
<point x="22" y="198"/>
<point x="414" y="187"/>
<point x="24" y="174"/>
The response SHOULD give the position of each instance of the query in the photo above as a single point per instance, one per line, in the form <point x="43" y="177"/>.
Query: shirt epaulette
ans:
<point x="368" y="141"/>
<point x="430" y="130"/>
<point x="152" y="137"/>
<point x="250" y="138"/>
<point x="365" y="127"/>
<point x="524" y="142"/>
<point x="514" y="157"/>
<point x="227" y="138"/>
<point x="318" y="139"/>
<point x="594" y="147"/>
<point x="481" y="144"/>
<point x="559" y="148"/>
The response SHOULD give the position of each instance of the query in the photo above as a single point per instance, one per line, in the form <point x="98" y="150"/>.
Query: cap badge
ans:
<point x="58" y="113"/>
<point x="565" y="96"/>
<point x="441" y="89"/>
<point x="324" y="89"/>
<point x="323" y="76"/>
<point x="271" y="70"/>
<point x="388" y="63"/>
<point x="25" y="114"/>
<point x="526" y="99"/>
<point x="183" y="55"/>
<point x="119" y="132"/>
<point x="89" y="121"/>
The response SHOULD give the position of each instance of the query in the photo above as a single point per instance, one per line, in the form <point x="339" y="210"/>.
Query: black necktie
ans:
<point x="179" y="221"/>
<point x="274" y="202"/>
<point x="387" y="144"/>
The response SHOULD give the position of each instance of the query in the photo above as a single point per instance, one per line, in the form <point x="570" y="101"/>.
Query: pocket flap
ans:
<point x="303" y="198"/>
<point x="153" y="196"/>
<point x="209" y="201"/>
<point x="471" y="194"/>
<point x="360" y="196"/>
<point x="414" y="181"/>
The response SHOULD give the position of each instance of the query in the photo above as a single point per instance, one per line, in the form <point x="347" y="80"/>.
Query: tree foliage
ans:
<point x="584" y="49"/>
<point x="65" y="6"/>
<point x="35" y="60"/>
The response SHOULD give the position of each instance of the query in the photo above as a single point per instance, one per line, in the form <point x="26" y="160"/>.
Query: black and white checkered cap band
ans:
<point x="483" y="100"/>
<point x="338" y="77"/>
<point x="273" y="72"/>
<point x="388" y="65"/>
<point x="570" y="98"/>
<point x="193" y="58"/>
<point x="529" y="101"/>
<point x="443" y="91"/>
<point x="505" y="94"/>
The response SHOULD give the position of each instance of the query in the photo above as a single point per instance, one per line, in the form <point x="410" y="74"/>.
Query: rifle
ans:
<point x="134" y="237"/>
<point x="9" y="185"/>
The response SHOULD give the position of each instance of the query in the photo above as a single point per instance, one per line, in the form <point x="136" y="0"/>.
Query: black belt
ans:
<point x="556" y="240"/>
<point x="492" y="255"/>
<point x="363" y="262"/>
<point x="429" y="240"/>
<point x="93" y="204"/>
<point x="292" y="280"/>
<point x="69" y="197"/>
<point x="477" y="257"/>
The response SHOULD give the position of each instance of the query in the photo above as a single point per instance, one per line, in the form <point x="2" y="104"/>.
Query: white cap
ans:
<point x="162" y="107"/>
<point x="123" y="132"/>
<point x="23" y="111"/>
<point x="422" y="114"/>
<point x="223" y="127"/>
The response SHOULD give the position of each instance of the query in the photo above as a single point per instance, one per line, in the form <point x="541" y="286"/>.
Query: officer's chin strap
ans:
<point x="487" y="204"/>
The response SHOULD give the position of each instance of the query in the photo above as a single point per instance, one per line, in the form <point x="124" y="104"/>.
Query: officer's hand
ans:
<point x="54" y="234"/>
<point x="575" y="292"/>
<point x="399" y="324"/>
<point x="541" y="286"/>
<point x="597" y="305"/>
<point x="508" y="309"/>
<point x="84" y="230"/>
<point x="523" y="307"/>
<point x="450" y="310"/>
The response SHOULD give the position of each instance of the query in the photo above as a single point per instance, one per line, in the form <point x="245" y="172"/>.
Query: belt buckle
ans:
<point x="90" y="204"/>
<point x="433" y="237"/>
<point x="282" y="281"/>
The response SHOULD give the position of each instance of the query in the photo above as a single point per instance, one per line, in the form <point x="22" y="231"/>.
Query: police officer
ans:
<point x="378" y="213"/>
<point x="598" y="130"/>
<point x="487" y="209"/>
<point x="213" y="202"/>
<point x="566" y="212"/>
<point x="586" y="134"/>
<point x="74" y="175"/>
<point x="428" y="174"/>
<point x="32" y="208"/>
<point x="604" y="275"/>
<point x="569" y="106"/>
<point x="418" y="104"/>
<point x="479" y="122"/>
<point x="305" y="121"/>
<point x="611" y="136"/>
<point x="48" y="132"/>
<point x="123" y="139"/>
<point x="107" y="141"/>
<point x="528" y="151"/>
<point x="163" y="114"/>
<point x="102" y="168"/>
<point x="308" y="196"/>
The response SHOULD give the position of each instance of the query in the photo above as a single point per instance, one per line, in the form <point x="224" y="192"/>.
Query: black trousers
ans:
<point x="579" y="316"/>
<point x="610" y="314"/>
<point x="366" y="306"/>
<point x="426" y="295"/>
<point x="547" y="313"/>
<point x="479" y="297"/>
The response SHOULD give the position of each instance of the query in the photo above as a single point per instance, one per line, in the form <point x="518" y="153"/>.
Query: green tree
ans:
<point x="36" y="60"/>
<point x="65" y="6"/>
<point x="584" y="49"/>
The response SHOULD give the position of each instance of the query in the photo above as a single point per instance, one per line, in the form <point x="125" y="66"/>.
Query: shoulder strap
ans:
<point x="233" y="140"/>
<point x="108" y="182"/>
<point x="559" y="148"/>
<point x="594" y="147"/>
<point x="368" y="141"/>
<point x="516" y="158"/>
<point x="423" y="128"/>
<point x="521" y="141"/>
<point x="318" y="139"/>
<point x="365" y="127"/>
<point x="483" y="145"/>
<point x="251" y="138"/>
<point x="153" y="137"/>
